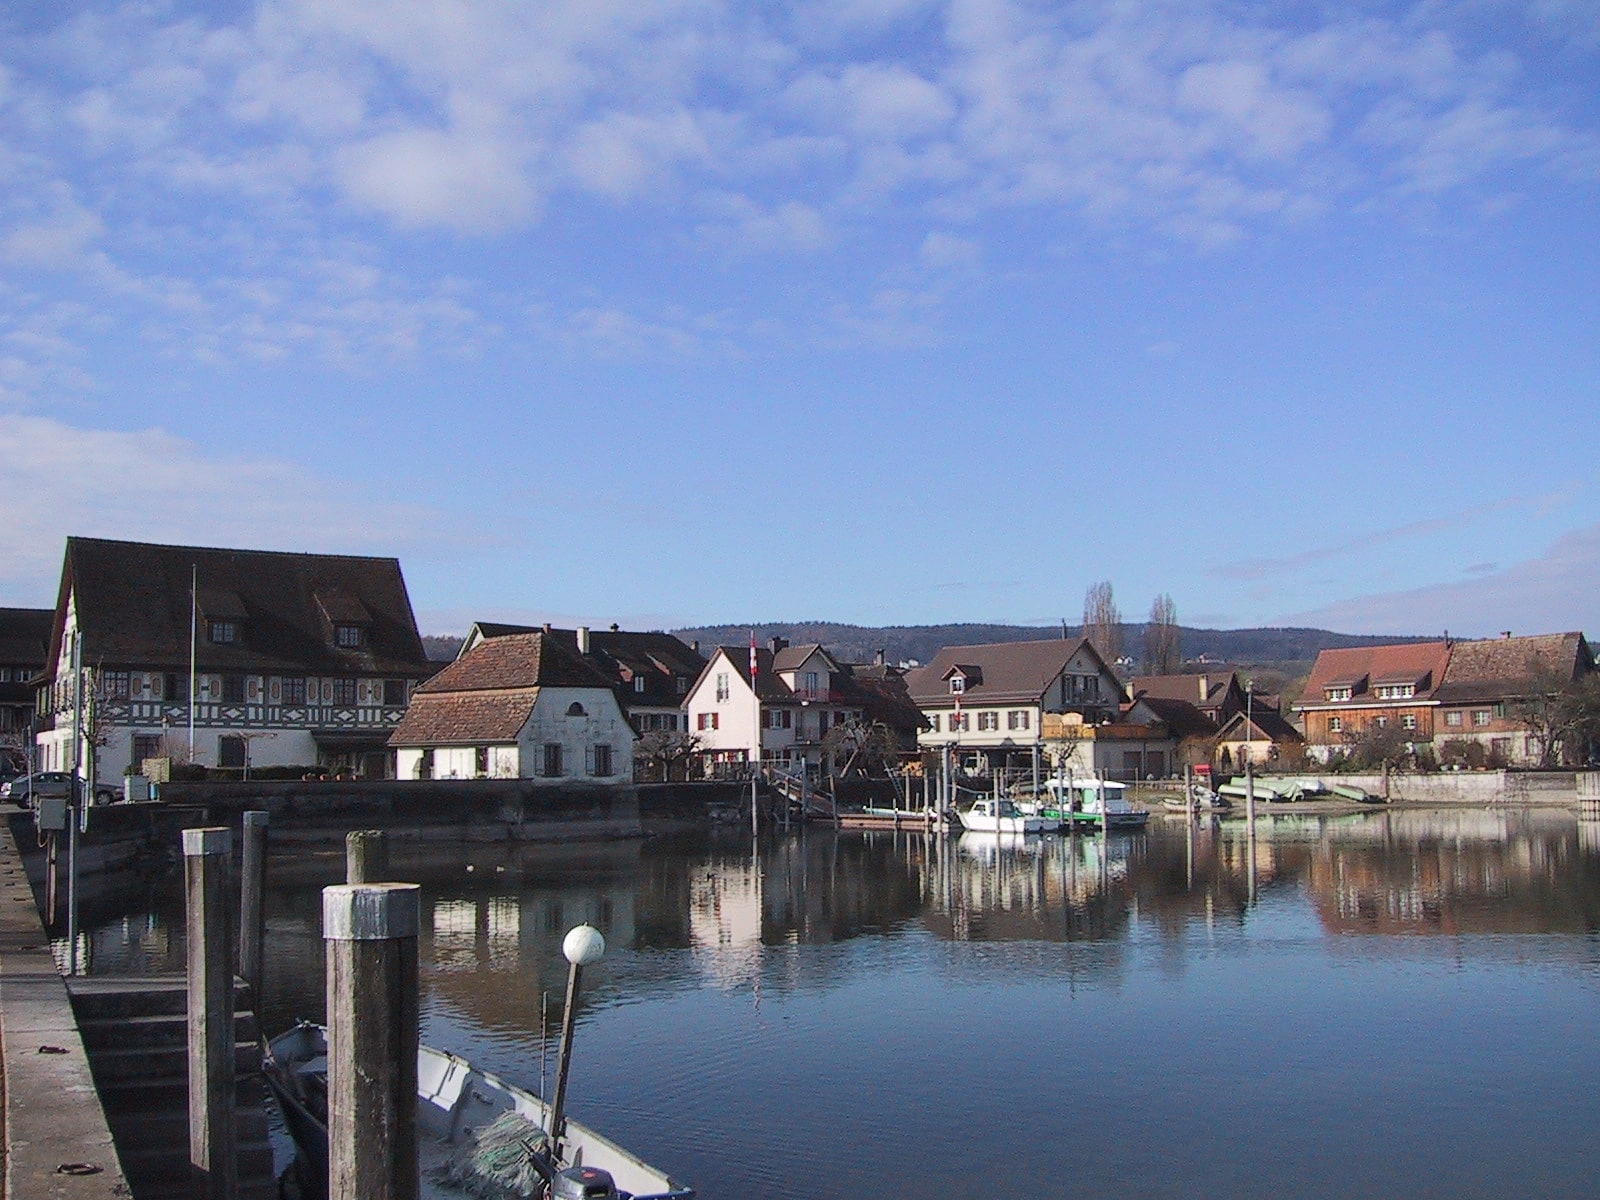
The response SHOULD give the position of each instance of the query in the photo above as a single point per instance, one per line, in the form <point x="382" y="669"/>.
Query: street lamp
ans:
<point x="582" y="945"/>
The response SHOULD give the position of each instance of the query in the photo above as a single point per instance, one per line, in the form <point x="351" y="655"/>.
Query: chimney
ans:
<point x="583" y="639"/>
<point x="878" y="659"/>
<point x="1505" y="633"/>
<point x="547" y="629"/>
<point x="777" y="644"/>
<point x="695" y="645"/>
<point x="615" y="627"/>
<point x="1205" y="689"/>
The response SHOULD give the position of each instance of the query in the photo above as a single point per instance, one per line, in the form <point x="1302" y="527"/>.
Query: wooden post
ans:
<point x="213" y="1148"/>
<point x="366" y="856"/>
<point x="370" y="936"/>
<point x="252" y="889"/>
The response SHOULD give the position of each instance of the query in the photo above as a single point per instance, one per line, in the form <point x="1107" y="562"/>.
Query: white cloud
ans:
<point x="1552" y="593"/>
<point x="149" y="485"/>
<point x="470" y="179"/>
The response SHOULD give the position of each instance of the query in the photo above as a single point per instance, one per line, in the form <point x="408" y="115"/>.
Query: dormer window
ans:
<point x="576" y="710"/>
<point x="1338" y="693"/>
<point x="222" y="633"/>
<point x="958" y="684"/>
<point x="349" y="637"/>
<point x="638" y="683"/>
<point x="1397" y="691"/>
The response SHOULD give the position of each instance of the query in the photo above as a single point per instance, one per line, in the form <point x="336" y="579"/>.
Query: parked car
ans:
<point x="24" y="790"/>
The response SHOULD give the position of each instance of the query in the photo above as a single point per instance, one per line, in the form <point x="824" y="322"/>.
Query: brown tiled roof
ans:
<point x="790" y="658"/>
<point x="1492" y="668"/>
<point x="1182" y="717"/>
<point x="1407" y="661"/>
<point x="1269" y="724"/>
<point x="518" y="660"/>
<point x="1183" y="687"/>
<point x="464" y="718"/>
<point x="881" y="691"/>
<point x="622" y="655"/>
<point x="1011" y="671"/>
<point x="133" y="603"/>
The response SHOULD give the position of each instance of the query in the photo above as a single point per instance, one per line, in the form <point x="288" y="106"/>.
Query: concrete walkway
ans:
<point x="56" y="1141"/>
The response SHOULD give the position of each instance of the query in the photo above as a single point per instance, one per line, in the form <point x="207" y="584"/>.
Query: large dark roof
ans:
<point x="1011" y="671"/>
<point x="133" y="604"/>
<point x="25" y="636"/>
<point x="1420" y="662"/>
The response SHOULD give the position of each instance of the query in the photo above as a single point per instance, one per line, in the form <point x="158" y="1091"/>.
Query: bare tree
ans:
<point x="1161" y="637"/>
<point x="860" y="747"/>
<point x="1561" y="714"/>
<point x="1102" y="623"/>
<point x="663" y="755"/>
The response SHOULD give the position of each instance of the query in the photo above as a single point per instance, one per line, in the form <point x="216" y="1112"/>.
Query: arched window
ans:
<point x="576" y="710"/>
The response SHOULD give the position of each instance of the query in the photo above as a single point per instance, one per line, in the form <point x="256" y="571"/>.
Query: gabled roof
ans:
<point x="1266" y="725"/>
<point x="1492" y="668"/>
<point x="1183" y="718"/>
<point x="620" y="654"/>
<point x="1356" y="666"/>
<point x="770" y="685"/>
<point x="518" y="660"/>
<point x="133" y="605"/>
<point x="25" y="636"/>
<point x="1185" y="687"/>
<point x="488" y="693"/>
<point x="792" y="658"/>
<point x="1010" y="672"/>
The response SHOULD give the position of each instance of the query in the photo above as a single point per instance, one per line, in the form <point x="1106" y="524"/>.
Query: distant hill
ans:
<point x="441" y="647"/>
<point x="1289" y="651"/>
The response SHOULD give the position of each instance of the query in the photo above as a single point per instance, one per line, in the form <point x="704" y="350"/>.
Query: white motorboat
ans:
<point x="477" y="1135"/>
<point x="1096" y="801"/>
<point x="999" y="816"/>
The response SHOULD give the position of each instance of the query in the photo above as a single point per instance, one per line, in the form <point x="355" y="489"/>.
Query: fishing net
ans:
<point x="496" y="1161"/>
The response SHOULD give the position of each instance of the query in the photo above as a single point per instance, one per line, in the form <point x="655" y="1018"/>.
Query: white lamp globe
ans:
<point x="583" y="945"/>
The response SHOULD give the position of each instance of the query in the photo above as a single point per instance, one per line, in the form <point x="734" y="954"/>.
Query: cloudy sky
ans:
<point x="885" y="311"/>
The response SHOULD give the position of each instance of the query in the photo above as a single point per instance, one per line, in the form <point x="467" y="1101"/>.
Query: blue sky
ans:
<point x="879" y="311"/>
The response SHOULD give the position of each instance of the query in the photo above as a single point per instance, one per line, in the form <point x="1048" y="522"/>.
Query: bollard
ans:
<point x="252" y="889"/>
<point x="213" y="1149"/>
<point x="366" y="856"/>
<point x="370" y="935"/>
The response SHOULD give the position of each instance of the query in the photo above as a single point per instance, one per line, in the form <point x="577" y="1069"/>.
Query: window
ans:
<point x="1337" y="693"/>
<point x="480" y="761"/>
<point x="1408" y="721"/>
<point x="706" y="720"/>
<point x="576" y="710"/>
<point x="294" y="689"/>
<point x="115" y="685"/>
<point x="600" y="760"/>
<point x="1480" y="716"/>
<point x="348" y="637"/>
<point x="394" y="693"/>
<point x="958" y="684"/>
<point x="230" y="751"/>
<point x="960" y="721"/>
<point x="933" y="723"/>
<point x="1453" y="719"/>
<point x="223" y="633"/>
<point x="552" y="760"/>
<point x="344" y="691"/>
<point x="638" y="683"/>
<point x="1017" y="718"/>
<point x="233" y="691"/>
<point x="683" y="685"/>
<point x="722" y="685"/>
<point x="145" y="745"/>
<point x="24" y="674"/>
<point x="988" y="720"/>
<point x="1335" y="725"/>
<point x="1381" y="722"/>
<point x="175" y="687"/>
<point x="1397" y="691"/>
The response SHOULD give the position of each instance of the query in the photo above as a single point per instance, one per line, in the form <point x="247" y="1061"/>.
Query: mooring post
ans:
<point x="370" y="936"/>
<point x="366" y="856"/>
<point x="213" y="1148"/>
<point x="252" y="890"/>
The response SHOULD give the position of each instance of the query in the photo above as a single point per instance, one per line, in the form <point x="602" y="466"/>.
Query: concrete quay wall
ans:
<point x="57" y="1143"/>
<point x="1465" y="787"/>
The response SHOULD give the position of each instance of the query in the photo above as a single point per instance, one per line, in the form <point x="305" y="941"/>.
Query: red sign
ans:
<point x="1202" y="768"/>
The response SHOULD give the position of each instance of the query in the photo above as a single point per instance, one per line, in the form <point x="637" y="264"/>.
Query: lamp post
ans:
<point x="582" y="945"/>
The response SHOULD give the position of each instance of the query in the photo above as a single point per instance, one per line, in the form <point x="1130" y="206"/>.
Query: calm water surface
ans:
<point x="1383" y="1004"/>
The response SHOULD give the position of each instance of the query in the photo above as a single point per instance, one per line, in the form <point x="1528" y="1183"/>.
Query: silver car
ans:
<point x="25" y="790"/>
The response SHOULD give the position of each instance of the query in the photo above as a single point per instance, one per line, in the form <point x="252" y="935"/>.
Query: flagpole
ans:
<point x="755" y="694"/>
<point x="194" y="620"/>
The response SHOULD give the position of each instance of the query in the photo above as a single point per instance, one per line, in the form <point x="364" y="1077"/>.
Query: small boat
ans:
<point x="999" y="816"/>
<point x="477" y="1135"/>
<point x="1347" y="791"/>
<point x="1093" y="801"/>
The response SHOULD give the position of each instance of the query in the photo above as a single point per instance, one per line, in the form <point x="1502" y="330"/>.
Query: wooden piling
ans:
<point x="366" y="856"/>
<point x="370" y="936"/>
<point x="213" y="1143"/>
<point x="252" y="891"/>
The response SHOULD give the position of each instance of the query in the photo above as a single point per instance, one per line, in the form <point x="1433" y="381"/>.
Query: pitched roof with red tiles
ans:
<point x="1183" y="687"/>
<point x="1356" y="667"/>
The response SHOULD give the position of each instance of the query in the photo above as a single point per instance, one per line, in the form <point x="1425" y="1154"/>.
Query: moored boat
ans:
<point x="999" y="816"/>
<point x="1093" y="801"/>
<point x="477" y="1134"/>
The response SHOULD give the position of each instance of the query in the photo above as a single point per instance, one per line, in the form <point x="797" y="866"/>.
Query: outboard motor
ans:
<point x="583" y="1183"/>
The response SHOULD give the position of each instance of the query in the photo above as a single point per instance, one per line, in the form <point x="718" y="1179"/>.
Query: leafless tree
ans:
<point x="866" y="748"/>
<point x="1561" y="714"/>
<point x="1102" y="623"/>
<point x="1161" y="637"/>
<point x="663" y="755"/>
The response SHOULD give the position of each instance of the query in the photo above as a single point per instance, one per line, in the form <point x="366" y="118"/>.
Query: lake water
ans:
<point x="1382" y="1004"/>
